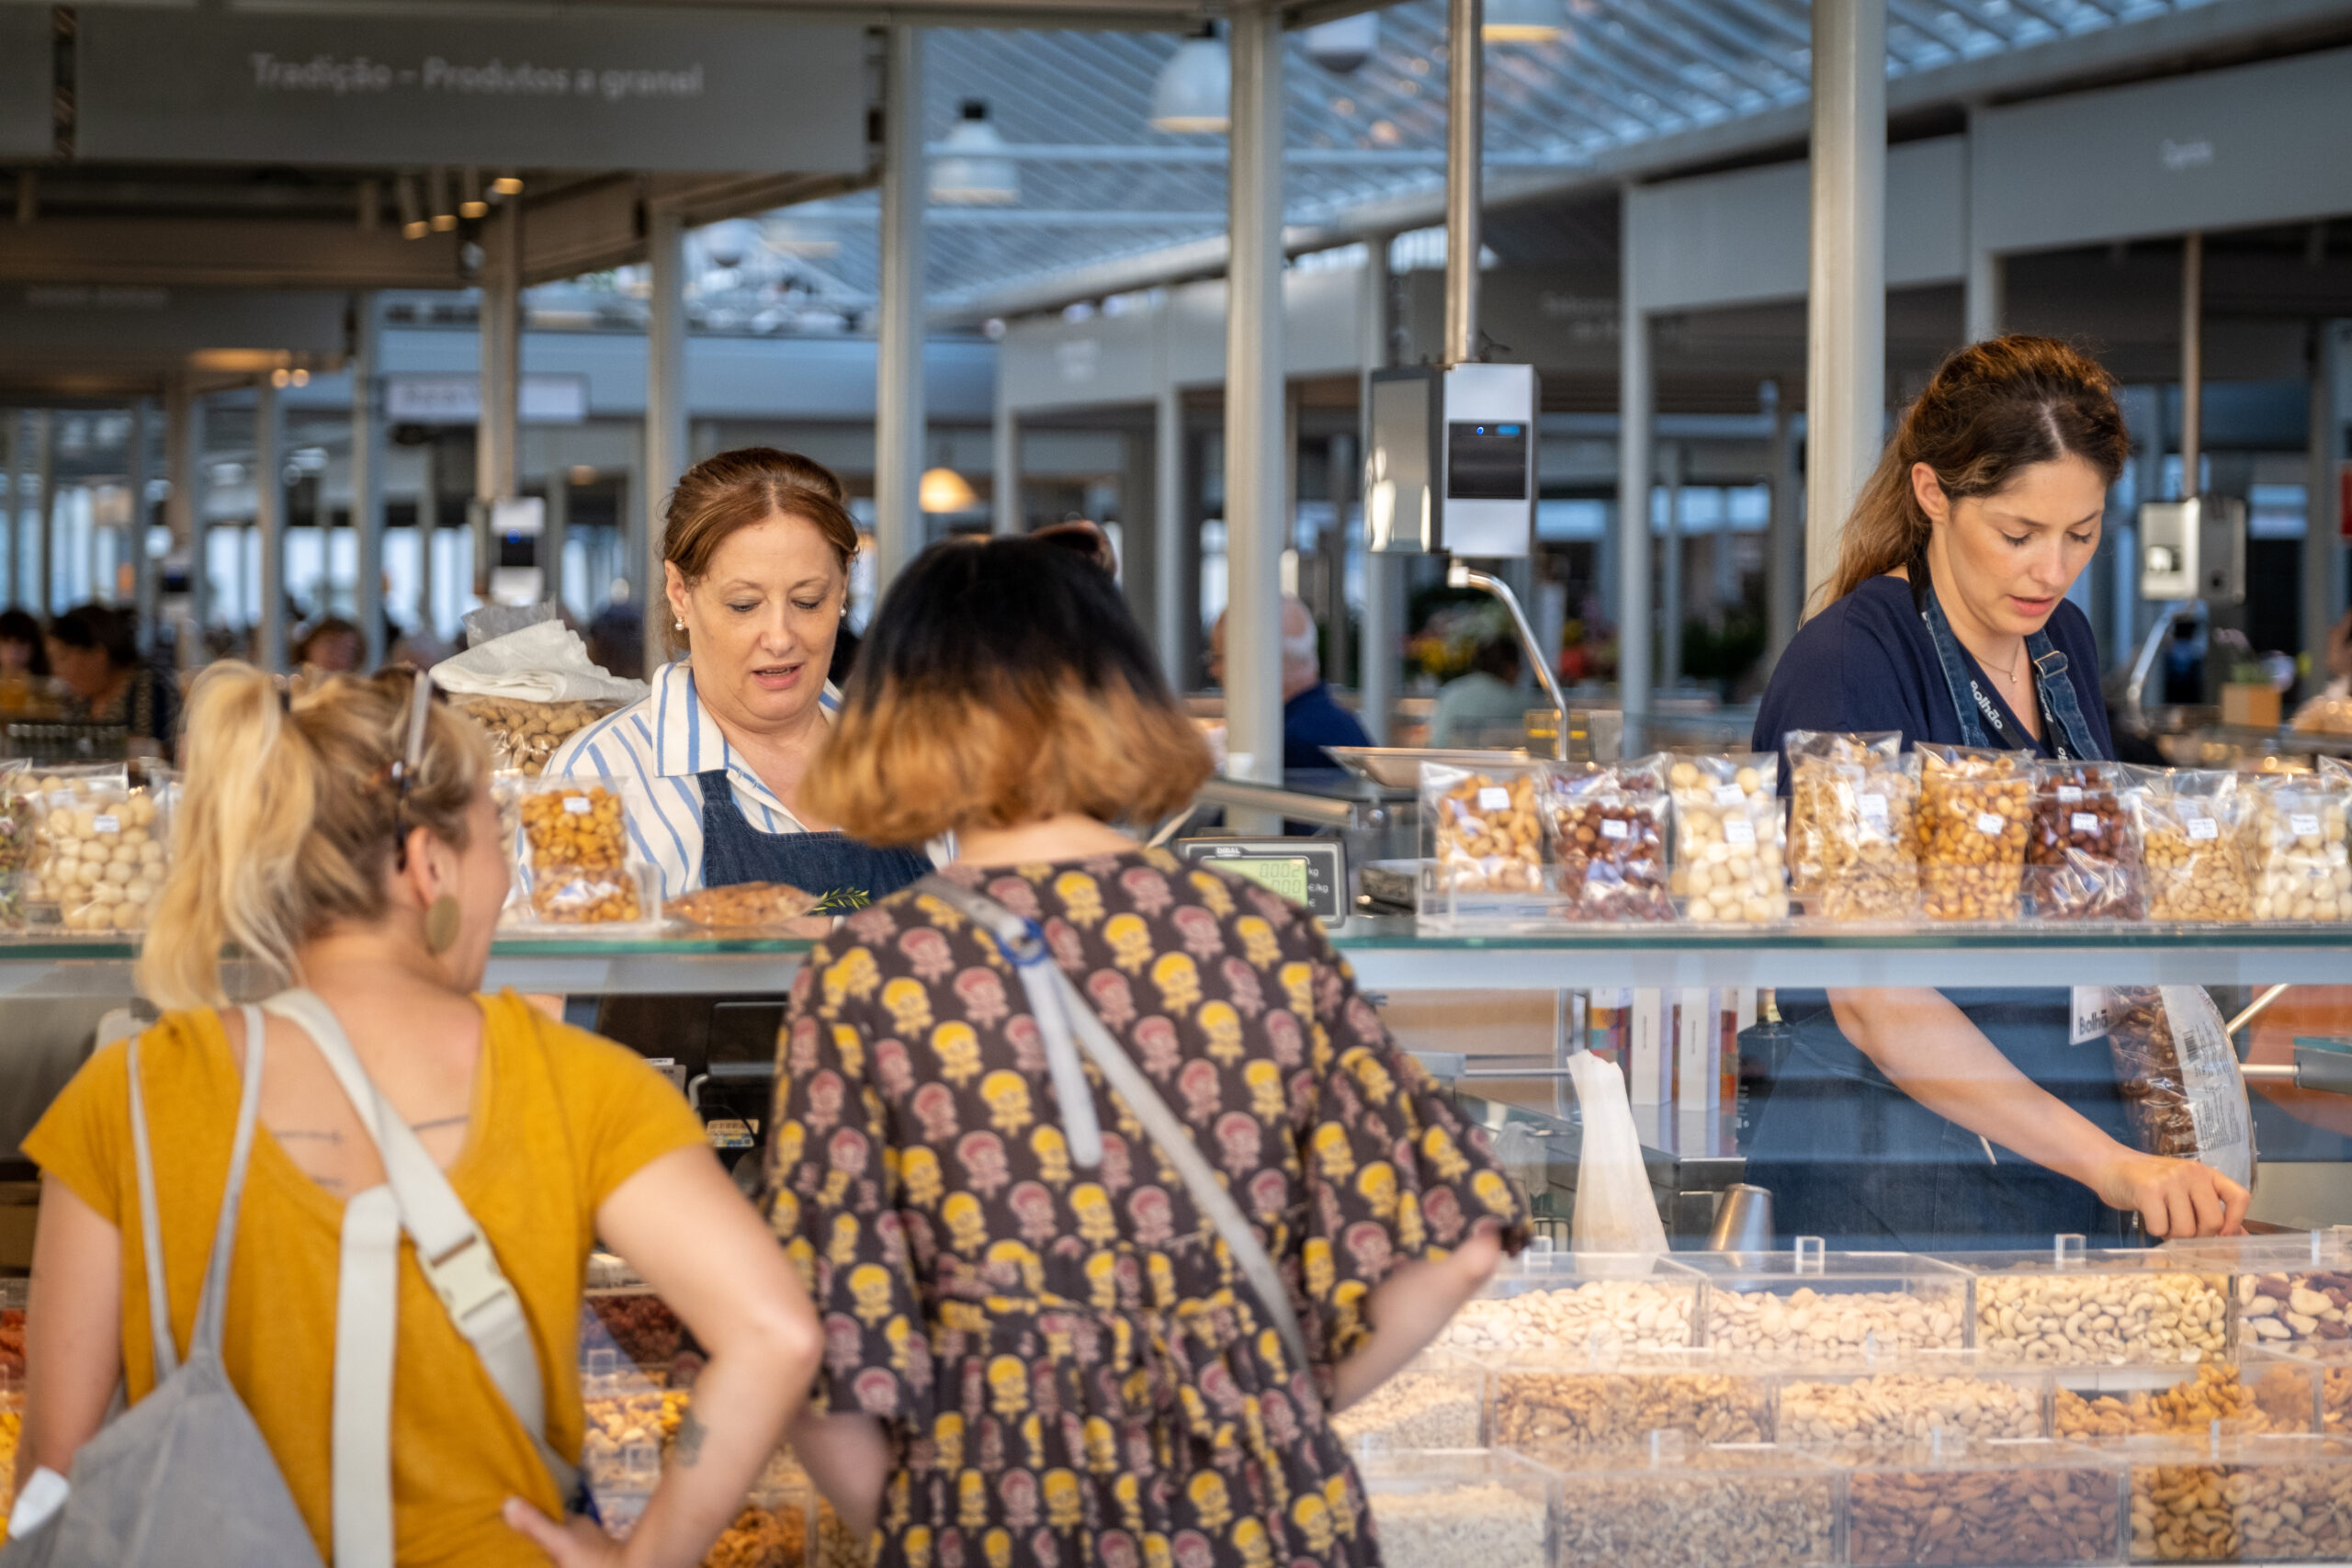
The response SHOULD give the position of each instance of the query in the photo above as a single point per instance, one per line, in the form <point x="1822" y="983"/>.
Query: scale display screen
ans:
<point x="1312" y="872"/>
<point x="1486" y="461"/>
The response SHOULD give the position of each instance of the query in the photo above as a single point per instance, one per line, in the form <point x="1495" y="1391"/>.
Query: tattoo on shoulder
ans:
<point x="691" y="1432"/>
<point x="437" y="1123"/>
<point x="308" y="1134"/>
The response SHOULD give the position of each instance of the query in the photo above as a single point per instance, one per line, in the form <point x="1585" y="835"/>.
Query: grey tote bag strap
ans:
<point x="212" y="1304"/>
<point x="1023" y="944"/>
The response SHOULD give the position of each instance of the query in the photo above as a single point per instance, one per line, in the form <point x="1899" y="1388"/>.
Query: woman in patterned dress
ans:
<point x="1030" y="1361"/>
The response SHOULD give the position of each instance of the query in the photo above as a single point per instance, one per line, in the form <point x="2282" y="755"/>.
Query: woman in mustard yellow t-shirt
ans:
<point x="313" y="841"/>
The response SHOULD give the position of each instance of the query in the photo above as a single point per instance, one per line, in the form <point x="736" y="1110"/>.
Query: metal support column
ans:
<point x="1465" y="64"/>
<point x="428" y="527"/>
<point x="1671" y="589"/>
<point x="1383" y="575"/>
<point x="142" y="565"/>
<point x="501" y="385"/>
<point x="1783" y="565"/>
<point x="1845" y="321"/>
<point x="554" y="531"/>
<point x="2324" y="588"/>
<point x="184" y="508"/>
<point x="1635" y="592"/>
<point x="897" y="389"/>
<point x="1255" y="463"/>
<point x="1341" y="465"/>
<point x="42" y="601"/>
<point x="665" y="415"/>
<point x="269" y="521"/>
<point x="2192" y="363"/>
<point x="1986" y="293"/>
<point x="12" y="440"/>
<point x="1004" y="456"/>
<point x="1172" y="533"/>
<point x="366" y="479"/>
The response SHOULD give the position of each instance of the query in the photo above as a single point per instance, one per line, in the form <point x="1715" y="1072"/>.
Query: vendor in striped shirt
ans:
<point x="756" y="548"/>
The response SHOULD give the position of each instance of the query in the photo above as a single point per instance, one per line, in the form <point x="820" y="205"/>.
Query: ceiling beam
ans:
<point x="228" y="252"/>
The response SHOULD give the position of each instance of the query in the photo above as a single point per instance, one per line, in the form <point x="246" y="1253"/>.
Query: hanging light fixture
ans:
<point x="1195" y="93"/>
<point x="1523" y="21"/>
<point x="413" y="224"/>
<point x="473" y="206"/>
<point x="944" y="489"/>
<point x="1343" y="45"/>
<point x="507" y="184"/>
<point x="964" y="174"/>
<point x="437" y="197"/>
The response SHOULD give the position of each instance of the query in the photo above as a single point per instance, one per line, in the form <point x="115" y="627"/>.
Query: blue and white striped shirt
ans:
<point x="659" y="745"/>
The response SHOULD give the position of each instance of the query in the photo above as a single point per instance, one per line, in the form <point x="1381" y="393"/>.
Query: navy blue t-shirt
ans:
<point x="1312" y="720"/>
<point x="1867" y="664"/>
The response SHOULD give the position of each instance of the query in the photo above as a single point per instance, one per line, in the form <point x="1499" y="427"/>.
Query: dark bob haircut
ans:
<point x="113" y="632"/>
<point x="1003" y="681"/>
<point x="19" y="625"/>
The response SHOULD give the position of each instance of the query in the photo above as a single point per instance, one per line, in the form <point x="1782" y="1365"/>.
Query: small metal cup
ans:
<point x="1744" y="1220"/>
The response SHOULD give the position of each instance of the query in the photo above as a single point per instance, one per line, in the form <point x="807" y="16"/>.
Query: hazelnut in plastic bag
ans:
<point x="2296" y="838"/>
<point x="1730" y="843"/>
<point x="2082" y="848"/>
<point x="1975" y="805"/>
<point x="1487" y="828"/>
<point x="1609" y="837"/>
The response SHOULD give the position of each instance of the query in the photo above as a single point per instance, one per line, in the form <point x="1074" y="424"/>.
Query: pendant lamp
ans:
<point x="1195" y="93"/>
<point x="1523" y="21"/>
<point x="964" y="174"/>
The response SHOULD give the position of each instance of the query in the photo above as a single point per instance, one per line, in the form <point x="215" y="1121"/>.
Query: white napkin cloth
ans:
<point x="542" y="664"/>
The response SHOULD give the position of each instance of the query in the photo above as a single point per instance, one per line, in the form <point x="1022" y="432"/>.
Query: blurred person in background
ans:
<point x="1312" y="718"/>
<point x="1013" y="1317"/>
<point x="332" y="646"/>
<point x="95" y="650"/>
<point x="24" y="664"/>
<point x="1475" y="705"/>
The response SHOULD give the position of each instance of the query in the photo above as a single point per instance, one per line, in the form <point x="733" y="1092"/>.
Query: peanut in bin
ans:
<point x="581" y="827"/>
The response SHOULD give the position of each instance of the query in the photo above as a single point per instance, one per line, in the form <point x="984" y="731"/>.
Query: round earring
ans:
<point x="677" y="624"/>
<point x="441" y="925"/>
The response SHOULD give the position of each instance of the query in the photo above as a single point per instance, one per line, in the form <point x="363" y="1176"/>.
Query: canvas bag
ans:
<point x="1062" y="1015"/>
<point x="184" y="1479"/>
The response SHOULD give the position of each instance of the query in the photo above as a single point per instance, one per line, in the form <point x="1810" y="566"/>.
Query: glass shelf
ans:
<point x="1388" y="956"/>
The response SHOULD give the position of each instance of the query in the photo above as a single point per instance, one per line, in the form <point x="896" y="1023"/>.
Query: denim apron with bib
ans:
<point x="832" y="865"/>
<point x="1852" y="1158"/>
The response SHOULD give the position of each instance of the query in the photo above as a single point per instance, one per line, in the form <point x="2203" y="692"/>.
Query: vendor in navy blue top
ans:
<point x="1312" y="718"/>
<point x="1923" y="1119"/>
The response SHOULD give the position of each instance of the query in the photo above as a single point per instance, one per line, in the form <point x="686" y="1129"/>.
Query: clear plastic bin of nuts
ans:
<point x="1576" y="1305"/>
<point x="1976" y="806"/>
<point x="2073" y="1307"/>
<point x="1730" y="839"/>
<point x="1441" y="1508"/>
<point x="1853" y="849"/>
<point x="2295" y="840"/>
<point x="2082" y="853"/>
<point x="1809" y="1307"/>
<point x="1955" y="1502"/>
<point x="2268" y="1498"/>
<point x="102" y="850"/>
<point x="1912" y="1398"/>
<point x="1608" y="829"/>
<point x="2265" y="1393"/>
<point x="2293" y="1289"/>
<point x="1483" y="844"/>
<point x="1674" y="1503"/>
<point x="1438" y="1402"/>
<point x="2191" y="827"/>
<point x="1597" y="1402"/>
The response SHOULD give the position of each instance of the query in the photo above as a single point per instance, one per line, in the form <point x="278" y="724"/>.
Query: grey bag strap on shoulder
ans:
<point x="457" y="1260"/>
<point x="1063" y="1016"/>
<point x="183" y="1479"/>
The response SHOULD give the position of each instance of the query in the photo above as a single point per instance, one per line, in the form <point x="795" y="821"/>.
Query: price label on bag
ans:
<point x="2203" y="827"/>
<point x="107" y="824"/>
<point x="1613" y="828"/>
<point x="2305" y="826"/>
<point x="1873" y="807"/>
<point x="1494" y="798"/>
<point x="2093" y="1013"/>
<point x="577" y="805"/>
<point x="1739" y="831"/>
<point x="2069" y="794"/>
<point x="59" y="799"/>
<point x="1729" y="794"/>
<point x="1989" y="822"/>
<point x="2085" y="821"/>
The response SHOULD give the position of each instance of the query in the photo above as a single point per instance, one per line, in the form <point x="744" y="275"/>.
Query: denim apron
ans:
<point x="848" y="873"/>
<point x="1852" y="1158"/>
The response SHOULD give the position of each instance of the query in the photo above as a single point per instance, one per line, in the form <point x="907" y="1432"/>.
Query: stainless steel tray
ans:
<point x="1400" y="767"/>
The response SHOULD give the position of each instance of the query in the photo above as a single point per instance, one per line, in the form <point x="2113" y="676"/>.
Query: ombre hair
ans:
<point x="1991" y="410"/>
<point x="1003" y="681"/>
<point x="289" y="818"/>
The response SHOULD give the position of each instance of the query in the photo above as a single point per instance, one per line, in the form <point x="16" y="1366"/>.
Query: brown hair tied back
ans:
<point x="736" y="489"/>
<point x="1992" y="408"/>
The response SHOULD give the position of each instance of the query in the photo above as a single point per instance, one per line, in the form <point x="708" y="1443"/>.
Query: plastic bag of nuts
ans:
<point x="524" y="735"/>
<point x="2082" y="851"/>
<point x="575" y="851"/>
<point x="102" y="850"/>
<point x="1730" y="843"/>
<point x="2191" y="827"/>
<point x="2240" y="1499"/>
<point x="1853" y="854"/>
<point x="1483" y="833"/>
<point x="2295" y="836"/>
<point x="1974" y="806"/>
<point x="1958" y="1504"/>
<point x="1609" y="836"/>
<point x="2179" y="1075"/>
<point x="19" y="839"/>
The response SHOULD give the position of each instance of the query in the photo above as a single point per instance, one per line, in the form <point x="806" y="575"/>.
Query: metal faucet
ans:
<point x="1460" y="574"/>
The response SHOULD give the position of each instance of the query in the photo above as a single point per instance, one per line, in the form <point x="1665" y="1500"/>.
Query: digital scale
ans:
<point x="1313" y="872"/>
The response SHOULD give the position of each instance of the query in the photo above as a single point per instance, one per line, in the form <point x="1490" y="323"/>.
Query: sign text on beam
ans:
<point x="677" y="90"/>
